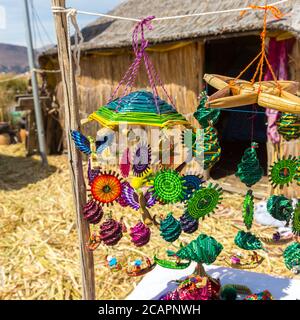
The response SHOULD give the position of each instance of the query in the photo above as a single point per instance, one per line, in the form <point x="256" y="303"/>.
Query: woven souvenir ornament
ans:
<point x="296" y="220"/>
<point x="204" y="201"/>
<point x="204" y="249"/>
<point x="248" y="209"/>
<point x="247" y="241"/>
<point x="297" y="175"/>
<point x="138" y="108"/>
<point x="170" y="228"/>
<point x="106" y="188"/>
<point x="140" y="234"/>
<point x="92" y="212"/>
<point x="81" y="142"/>
<point x="265" y="295"/>
<point x="283" y="171"/>
<point x="291" y="255"/>
<point x="280" y="208"/>
<point x="92" y="173"/>
<point x="192" y="183"/>
<point x="141" y="160"/>
<point x="122" y="200"/>
<point x="289" y="126"/>
<point x="177" y="265"/>
<point x="111" y="232"/>
<point x="249" y="170"/>
<point x="125" y="164"/>
<point x="206" y="116"/>
<point x="168" y="186"/>
<point x="188" y="224"/>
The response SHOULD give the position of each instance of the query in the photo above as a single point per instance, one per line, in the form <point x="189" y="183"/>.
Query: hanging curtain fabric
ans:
<point x="278" y="58"/>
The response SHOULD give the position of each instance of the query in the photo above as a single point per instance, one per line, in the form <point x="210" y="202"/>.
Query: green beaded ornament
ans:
<point x="204" y="249"/>
<point x="289" y="126"/>
<point x="248" y="209"/>
<point x="280" y="208"/>
<point x="204" y="201"/>
<point x="209" y="151"/>
<point x="291" y="256"/>
<point x="296" y="220"/>
<point x="206" y="116"/>
<point x="170" y="228"/>
<point x="249" y="170"/>
<point x="283" y="171"/>
<point x="168" y="186"/>
<point x="247" y="241"/>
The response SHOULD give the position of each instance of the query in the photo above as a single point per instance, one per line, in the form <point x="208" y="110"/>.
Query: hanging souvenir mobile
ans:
<point x="248" y="209"/>
<point x="291" y="256"/>
<point x="296" y="220"/>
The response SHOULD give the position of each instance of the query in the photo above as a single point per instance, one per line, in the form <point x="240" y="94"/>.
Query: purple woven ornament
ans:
<point x="140" y="234"/>
<point x="92" y="212"/>
<point x="150" y="199"/>
<point x="122" y="199"/>
<point x="188" y="224"/>
<point x="92" y="173"/>
<point x="111" y="232"/>
<point x="131" y="197"/>
<point x="141" y="160"/>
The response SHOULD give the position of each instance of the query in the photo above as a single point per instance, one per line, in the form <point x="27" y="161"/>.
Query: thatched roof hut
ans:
<point x="182" y="50"/>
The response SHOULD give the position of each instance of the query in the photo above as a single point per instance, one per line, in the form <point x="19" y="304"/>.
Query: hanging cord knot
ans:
<point x="276" y="12"/>
<point x="139" y="45"/>
<point x="78" y="38"/>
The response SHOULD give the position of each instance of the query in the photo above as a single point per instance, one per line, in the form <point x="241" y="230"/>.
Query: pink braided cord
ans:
<point x="140" y="54"/>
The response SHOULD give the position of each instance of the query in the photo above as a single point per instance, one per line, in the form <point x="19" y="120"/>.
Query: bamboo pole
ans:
<point x="72" y="122"/>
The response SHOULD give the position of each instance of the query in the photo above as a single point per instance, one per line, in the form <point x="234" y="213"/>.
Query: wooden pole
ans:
<point x="72" y="122"/>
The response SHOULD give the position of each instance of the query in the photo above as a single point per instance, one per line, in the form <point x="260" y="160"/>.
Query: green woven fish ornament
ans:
<point x="248" y="209"/>
<point x="206" y="116"/>
<point x="170" y="228"/>
<point x="247" y="241"/>
<point x="204" y="249"/>
<point x="204" y="201"/>
<point x="296" y="220"/>
<point x="280" y="208"/>
<point x="289" y="126"/>
<point x="249" y="170"/>
<point x="283" y="171"/>
<point x="168" y="186"/>
<point x="291" y="255"/>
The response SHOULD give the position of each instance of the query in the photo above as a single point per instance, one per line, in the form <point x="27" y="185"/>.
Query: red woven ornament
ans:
<point x="106" y="188"/>
<point x="125" y="163"/>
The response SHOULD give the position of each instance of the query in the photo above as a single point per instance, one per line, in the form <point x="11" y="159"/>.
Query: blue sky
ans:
<point x="12" y="27"/>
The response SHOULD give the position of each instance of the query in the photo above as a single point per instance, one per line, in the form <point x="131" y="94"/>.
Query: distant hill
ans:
<point x="13" y="58"/>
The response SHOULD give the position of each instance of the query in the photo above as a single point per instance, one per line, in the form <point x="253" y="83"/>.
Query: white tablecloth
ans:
<point x="158" y="281"/>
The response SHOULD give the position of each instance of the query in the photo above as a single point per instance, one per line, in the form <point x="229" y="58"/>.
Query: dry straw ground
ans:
<point x="38" y="243"/>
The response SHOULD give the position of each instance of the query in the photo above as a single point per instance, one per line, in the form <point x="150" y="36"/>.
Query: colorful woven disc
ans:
<point x="204" y="201"/>
<point x="168" y="186"/>
<point x="106" y="188"/>
<point x="283" y="171"/>
<point x="192" y="183"/>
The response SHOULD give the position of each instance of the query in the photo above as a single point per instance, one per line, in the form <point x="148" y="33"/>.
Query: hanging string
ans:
<point x="262" y="54"/>
<point x="58" y="9"/>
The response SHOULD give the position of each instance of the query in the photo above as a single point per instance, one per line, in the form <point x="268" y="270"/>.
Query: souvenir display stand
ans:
<point x="139" y="185"/>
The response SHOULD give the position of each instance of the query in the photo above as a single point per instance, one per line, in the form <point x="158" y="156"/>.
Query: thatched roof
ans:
<point x="105" y="33"/>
